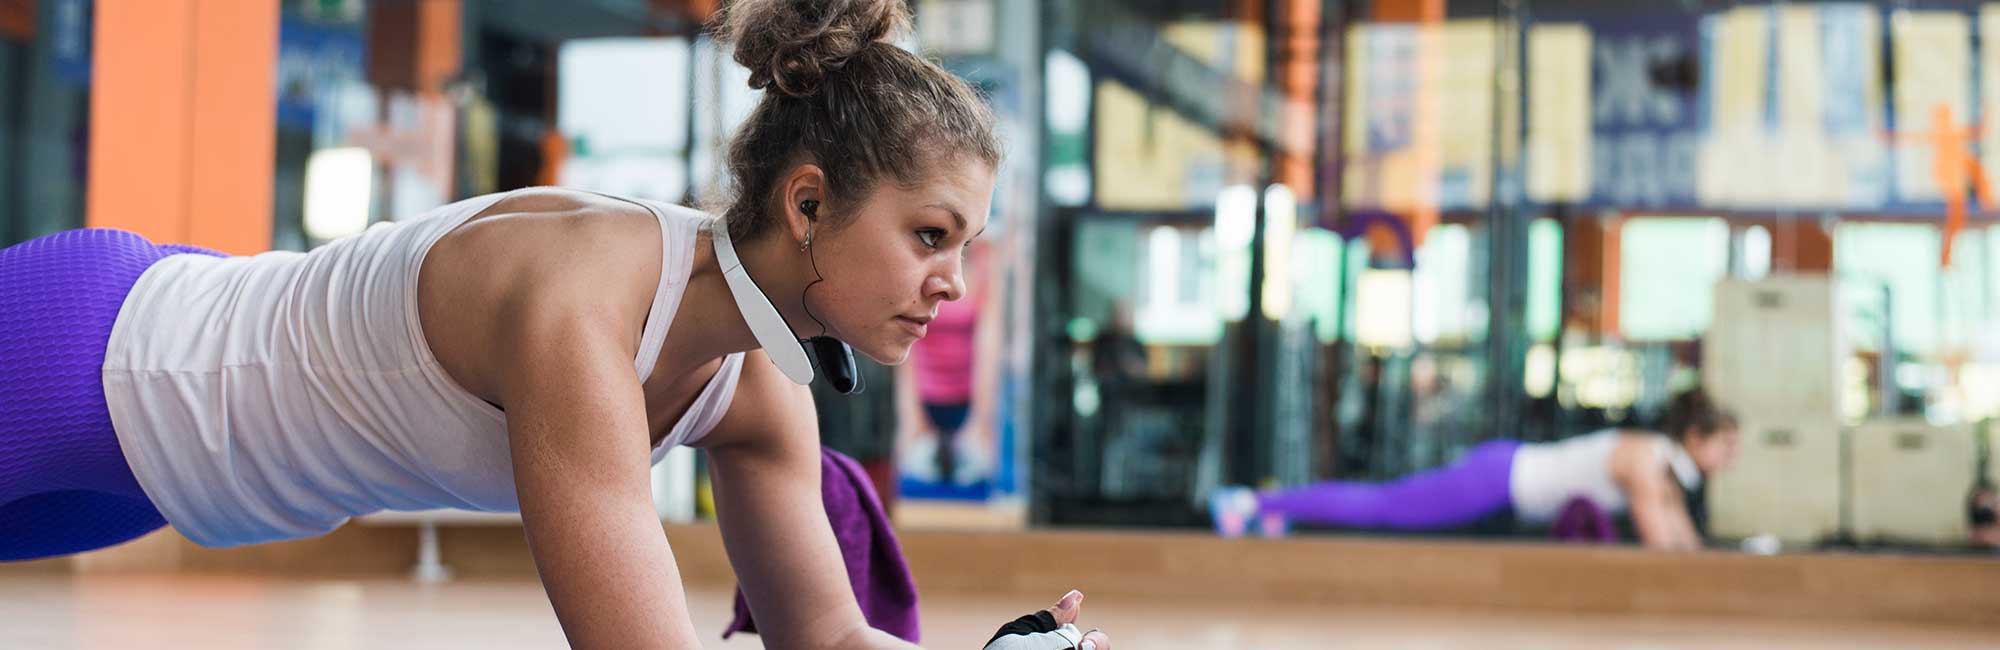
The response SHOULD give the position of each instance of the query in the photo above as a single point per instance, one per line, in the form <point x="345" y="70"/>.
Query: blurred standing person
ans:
<point x="1118" y="360"/>
<point x="946" y="397"/>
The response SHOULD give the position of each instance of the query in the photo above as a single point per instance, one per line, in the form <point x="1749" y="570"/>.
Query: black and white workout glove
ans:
<point x="1038" y="631"/>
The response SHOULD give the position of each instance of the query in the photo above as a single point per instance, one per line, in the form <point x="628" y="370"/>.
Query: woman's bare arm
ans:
<point x="1662" y="518"/>
<point x="1658" y="509"/>
<point x="765" y="461"/>
<point x="577" y="429"/>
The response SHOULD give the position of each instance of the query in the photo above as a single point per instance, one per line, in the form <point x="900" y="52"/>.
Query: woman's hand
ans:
<point x="1050" y="629"/>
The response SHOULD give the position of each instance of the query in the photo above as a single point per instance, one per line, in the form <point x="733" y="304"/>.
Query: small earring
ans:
<point x="811" y="208"/>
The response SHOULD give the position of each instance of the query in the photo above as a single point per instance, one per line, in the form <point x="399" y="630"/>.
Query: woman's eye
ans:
<point x="930" y="237"/>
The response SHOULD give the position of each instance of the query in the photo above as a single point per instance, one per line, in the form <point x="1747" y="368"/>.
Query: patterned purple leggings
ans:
<point x="1447" y="497"/>
<point x="64" y="484"/>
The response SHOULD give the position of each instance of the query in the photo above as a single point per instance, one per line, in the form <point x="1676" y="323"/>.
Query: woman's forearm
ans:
<point x="1655" y="532"/>
<point x="1663" y="527"/>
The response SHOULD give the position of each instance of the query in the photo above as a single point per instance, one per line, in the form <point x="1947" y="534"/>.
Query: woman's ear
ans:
<point x="801" y="200"/>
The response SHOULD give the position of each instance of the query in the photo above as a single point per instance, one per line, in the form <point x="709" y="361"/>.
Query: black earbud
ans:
<point x="834" y="358"/>
<point x="836" y="363"/>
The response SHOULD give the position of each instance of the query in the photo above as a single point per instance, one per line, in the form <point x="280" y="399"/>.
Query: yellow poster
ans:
<point x="1463" y="96"/>
<point x="1933" y="58"/>
<point x="1558" y="113"/>
<point x="1732" y="168"/>
<point x="1800" y="146"/>
<point x="1149" y="157"/>
<point x="1146" y="153"/>
<point x="1418" y="131"/>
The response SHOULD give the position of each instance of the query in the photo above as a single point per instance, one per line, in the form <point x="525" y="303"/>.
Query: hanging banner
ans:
<point x="1757" y="108"/>
<point x="1645" y="114"/>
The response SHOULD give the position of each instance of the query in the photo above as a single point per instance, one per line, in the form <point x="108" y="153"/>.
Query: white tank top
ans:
<point x="1547" y="475"/>
<point x="275" y="396"/>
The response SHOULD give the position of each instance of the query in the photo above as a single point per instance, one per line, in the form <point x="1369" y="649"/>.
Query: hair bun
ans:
<point x="791" y="45"/>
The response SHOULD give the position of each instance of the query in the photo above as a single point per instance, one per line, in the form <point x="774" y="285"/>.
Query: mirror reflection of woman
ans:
<point x="1647" y="474"/>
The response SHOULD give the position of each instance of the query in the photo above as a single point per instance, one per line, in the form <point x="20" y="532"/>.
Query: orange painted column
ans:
<point x="1298" y="76"/>
<point x="1591" y="271"/>
<point x="1614" y="274"/>
<point x="183" y="126"/>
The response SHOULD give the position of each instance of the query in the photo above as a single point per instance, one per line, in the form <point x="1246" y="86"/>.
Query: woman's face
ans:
<point x="899" y="255"/>
<point x="1714" y="451"/>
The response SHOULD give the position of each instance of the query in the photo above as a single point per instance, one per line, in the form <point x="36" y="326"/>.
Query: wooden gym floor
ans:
<point x="1151" y="590"/>
<point x="118" y="612"/>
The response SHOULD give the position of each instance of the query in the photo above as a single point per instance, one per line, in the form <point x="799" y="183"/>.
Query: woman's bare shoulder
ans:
<point x="540" y="255"/>
<point x="766" y="409"/>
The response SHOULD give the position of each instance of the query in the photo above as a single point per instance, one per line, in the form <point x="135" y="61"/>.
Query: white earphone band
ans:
<point x="765" y="322"/>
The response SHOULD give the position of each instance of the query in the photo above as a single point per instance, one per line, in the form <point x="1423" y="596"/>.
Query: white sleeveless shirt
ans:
<point x="1547" y="475"/>
<point x="275" y="396"/>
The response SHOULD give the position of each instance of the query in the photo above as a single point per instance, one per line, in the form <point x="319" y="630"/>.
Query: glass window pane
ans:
<point x="1545" y="252"/>
<point x="1667" y="273"/>
<point x="1904" y="257"/>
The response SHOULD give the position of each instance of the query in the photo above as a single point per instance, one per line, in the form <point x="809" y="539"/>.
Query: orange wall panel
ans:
<point x="439" y="49"/>
<point x="183" y="121"/>
<point x="235" y="124"/>
<point x="139" y="114"/>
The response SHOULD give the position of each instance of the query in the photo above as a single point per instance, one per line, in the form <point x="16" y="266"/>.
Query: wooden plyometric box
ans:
<point x="1775" y="349"/>
<point x="1909" y="481"/>
<point x="1786" y="482"/>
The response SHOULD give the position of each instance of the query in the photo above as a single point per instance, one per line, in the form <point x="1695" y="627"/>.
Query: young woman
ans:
<point x="1612" y="471"/>
<point x="533" y="350"/>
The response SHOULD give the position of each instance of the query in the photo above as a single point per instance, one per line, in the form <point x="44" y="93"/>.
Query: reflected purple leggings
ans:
<point x="1456" y="495"/>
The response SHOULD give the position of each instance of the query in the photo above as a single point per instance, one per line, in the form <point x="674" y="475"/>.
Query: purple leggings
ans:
<point x="1456" y="495"/>
<point x="64" y="484"/>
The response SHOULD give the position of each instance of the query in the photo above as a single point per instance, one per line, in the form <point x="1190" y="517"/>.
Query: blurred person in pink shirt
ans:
<point x="946" y="395"/>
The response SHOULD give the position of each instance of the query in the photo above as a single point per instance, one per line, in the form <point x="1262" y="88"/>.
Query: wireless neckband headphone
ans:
<point x="784" y="347"/>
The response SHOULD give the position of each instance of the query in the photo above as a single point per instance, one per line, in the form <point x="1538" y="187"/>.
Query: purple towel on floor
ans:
<point x="1583" y="521"/>
<point x="875" y="565"/>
